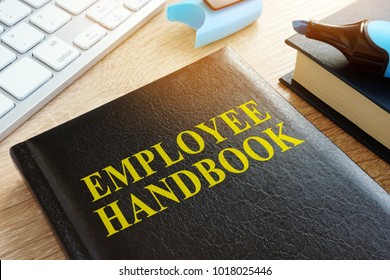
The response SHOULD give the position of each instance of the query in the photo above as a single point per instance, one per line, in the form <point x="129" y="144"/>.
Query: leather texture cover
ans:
<point x="374" y="88"/>
<point x="208" y="162"/>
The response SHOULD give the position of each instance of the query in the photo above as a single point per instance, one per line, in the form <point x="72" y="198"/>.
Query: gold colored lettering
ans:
<point x="250" y="109"/>
<point x="211" y="169"/>
<point x="267" y="146"/>
<point x="118" y="215"/>
<point x="126" y="167"/>
<point x="212" y="131"/>
<point x="183" y="187"/>
<point x="228" y="166"/>
<point x="280" y="138"/>
<point x="95" y="188"/>
<point x="163" y="192"/>
<point x="145" y="157"/>
<point x="233" y="122"/>
<point x="199" y="140"/>
<point x="142" y="207"/>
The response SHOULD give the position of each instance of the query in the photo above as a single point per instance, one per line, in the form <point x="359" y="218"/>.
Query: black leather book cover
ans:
<point x="373" y="87"/>
<point x="206" y="163"/>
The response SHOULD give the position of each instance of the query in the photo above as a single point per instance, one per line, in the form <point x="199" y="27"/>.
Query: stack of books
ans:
<point x="356" y="100"/>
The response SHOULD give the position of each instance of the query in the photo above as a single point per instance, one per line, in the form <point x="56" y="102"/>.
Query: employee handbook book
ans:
<point x="359" y="102"/>
<point x="209" y="162"/>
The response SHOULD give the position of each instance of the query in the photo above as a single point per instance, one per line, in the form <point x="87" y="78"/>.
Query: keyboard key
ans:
<point x="36" y="3"/>
<point x="50" y="18"/>
<point x="6" y="57"/>
<point x="11" y="12"/>
<point x="101" y="9"/>
<point x="6" y="105"/>
<point x="75" y="7"/>
<point x="24" y="77"/>
<point x="90" y="37"/>
<point x="115" y="18"/>
<point x="135" y="5"/>
<point x="81" y="48"/>
<point x="23" y="37"/>
<point x="56" y="53"/>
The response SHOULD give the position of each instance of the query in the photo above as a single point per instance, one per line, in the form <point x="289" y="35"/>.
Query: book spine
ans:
<point x="38" y="185"/>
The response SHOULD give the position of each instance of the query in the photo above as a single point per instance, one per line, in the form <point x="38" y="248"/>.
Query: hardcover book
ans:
<point x="208" y="162"/>
<point x="358" y="101"/>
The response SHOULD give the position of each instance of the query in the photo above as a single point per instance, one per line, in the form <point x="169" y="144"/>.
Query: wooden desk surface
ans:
<point x="156" y="50"/>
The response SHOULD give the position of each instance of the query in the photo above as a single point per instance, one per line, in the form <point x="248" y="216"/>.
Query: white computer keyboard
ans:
<point x="45" y="45"/>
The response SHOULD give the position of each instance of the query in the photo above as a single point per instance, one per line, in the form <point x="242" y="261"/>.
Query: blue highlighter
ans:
<point x="365" y="44"/>
<point x="212" y="25"/>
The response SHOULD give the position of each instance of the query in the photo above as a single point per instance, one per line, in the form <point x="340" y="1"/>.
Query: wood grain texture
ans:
<point x="156" y="50"/>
